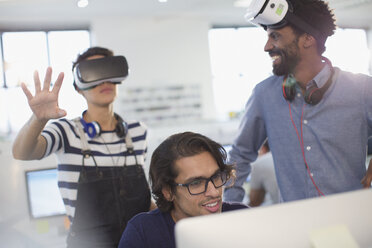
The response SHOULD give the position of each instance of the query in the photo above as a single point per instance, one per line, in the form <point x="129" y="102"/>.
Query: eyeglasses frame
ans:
<point x="206" y="183"/>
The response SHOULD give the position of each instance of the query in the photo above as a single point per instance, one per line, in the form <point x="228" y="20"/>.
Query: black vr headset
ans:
<point x="90" y="73"/>
<point x="276" y="14"/>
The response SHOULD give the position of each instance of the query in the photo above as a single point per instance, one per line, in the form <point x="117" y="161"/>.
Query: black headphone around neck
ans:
<point x="93" y="129"/>
<point x="313" y="94"/>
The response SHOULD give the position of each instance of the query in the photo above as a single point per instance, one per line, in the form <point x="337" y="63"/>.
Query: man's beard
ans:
<point x="289" y="59"/>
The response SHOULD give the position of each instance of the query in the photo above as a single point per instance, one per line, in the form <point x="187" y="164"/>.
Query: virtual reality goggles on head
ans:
<point x="276" y="14"/>
<point x="90" y="73"/>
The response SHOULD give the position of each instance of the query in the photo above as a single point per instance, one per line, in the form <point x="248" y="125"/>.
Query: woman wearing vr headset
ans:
<point x="100" y="156"/>
<point x="317" y="118"/>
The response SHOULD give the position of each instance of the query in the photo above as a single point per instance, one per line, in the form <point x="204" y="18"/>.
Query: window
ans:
<point x="354" y="58"/>
<point x="22" y="49"/>
<point x="25" y="52"/>
<point x="239" y="62"/>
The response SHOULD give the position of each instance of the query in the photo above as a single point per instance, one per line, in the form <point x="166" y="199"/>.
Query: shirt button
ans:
<point x="308" y="148"/>
<point x="312" y="174"/>
<point x="305" y="121"/>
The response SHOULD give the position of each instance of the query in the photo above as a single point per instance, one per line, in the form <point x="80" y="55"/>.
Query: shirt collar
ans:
<point x="322" y="77"/>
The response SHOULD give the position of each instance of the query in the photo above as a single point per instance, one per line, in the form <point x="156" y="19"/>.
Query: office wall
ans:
<point x="161" y="52"/>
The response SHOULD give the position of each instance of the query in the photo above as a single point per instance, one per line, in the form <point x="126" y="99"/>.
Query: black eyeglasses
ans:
<point x="199" y="186"/>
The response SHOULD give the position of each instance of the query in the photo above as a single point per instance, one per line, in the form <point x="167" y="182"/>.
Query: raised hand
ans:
<point x="44" y="104"/>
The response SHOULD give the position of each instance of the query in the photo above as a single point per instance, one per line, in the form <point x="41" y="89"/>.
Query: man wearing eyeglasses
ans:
<point x="187" y="172"/>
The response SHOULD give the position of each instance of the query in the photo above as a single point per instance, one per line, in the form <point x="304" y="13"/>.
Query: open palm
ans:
<point x="44" y="104"/>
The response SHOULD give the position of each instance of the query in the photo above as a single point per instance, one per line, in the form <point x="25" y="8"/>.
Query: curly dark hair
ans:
<point x="162" y="165"/>
<point x="91" y="52"/>
<point x="317" y="14"/>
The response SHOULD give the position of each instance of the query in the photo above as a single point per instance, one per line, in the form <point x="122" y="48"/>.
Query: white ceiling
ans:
<point x="349" y="13"/>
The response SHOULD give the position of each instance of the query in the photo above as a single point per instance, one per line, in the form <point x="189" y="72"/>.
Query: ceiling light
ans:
<point x="163" y="1"/>
<point x="82" y="3"/>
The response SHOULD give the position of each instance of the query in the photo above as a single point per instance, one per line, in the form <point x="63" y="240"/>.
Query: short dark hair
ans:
<point x="318" y="15"/>
<point x="163" y="160"/>
<point x="89" y="53"/>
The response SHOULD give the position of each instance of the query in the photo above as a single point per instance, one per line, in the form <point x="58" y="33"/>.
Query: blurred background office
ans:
<point x="192" y="64"/>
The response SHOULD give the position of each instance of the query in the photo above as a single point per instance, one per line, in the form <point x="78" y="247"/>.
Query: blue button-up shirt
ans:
<point x="334" y="136"/>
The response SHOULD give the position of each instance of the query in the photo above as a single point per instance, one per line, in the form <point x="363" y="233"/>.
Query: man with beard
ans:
<point x="316" y="118"/>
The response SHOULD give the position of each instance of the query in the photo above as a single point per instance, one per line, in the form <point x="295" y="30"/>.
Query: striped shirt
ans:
<point x="63" y="139"/>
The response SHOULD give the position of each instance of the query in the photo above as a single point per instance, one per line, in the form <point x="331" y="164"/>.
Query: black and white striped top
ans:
<point x="63" y="139"/>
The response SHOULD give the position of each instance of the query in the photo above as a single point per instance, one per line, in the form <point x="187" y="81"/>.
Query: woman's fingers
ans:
<point x="46" y="85"/>
<point x="58" y="83"/>
<point x="26" y="91"/>
<point x="47" y="79"/>
<point x="37" y="82"/>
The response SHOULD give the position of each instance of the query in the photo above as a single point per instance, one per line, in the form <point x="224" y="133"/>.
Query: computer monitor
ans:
<point x="294" y="224"/>
<point x="44" y="199"/>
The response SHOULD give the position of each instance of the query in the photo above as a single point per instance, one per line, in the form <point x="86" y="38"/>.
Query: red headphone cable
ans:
<point x="300" y="139"/>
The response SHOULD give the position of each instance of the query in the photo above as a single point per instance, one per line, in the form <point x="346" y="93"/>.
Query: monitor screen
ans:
<point x="43" y="195"/>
